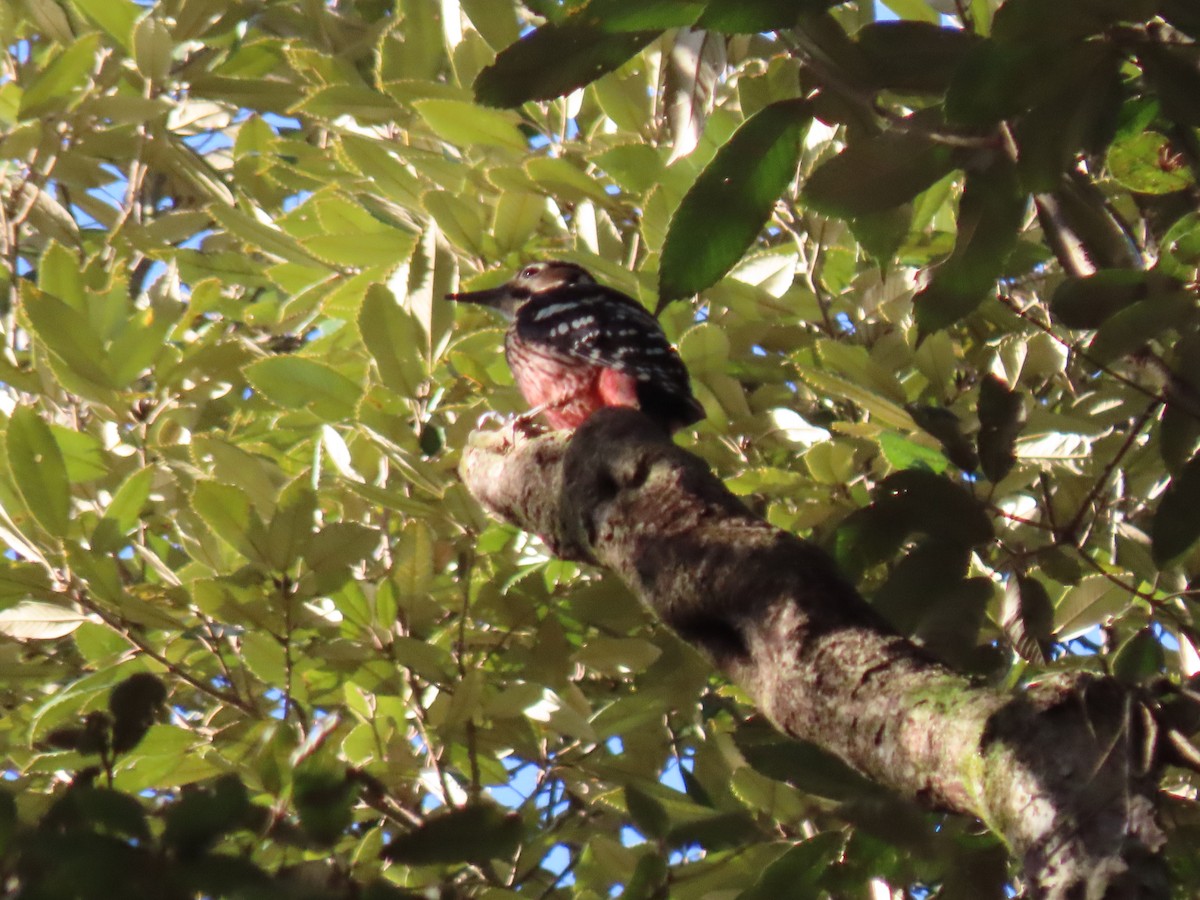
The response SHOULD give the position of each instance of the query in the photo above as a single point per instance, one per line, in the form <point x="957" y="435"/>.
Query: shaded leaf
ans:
<point x="944" y="425"/>
<point x="727" y="207"/>
<point x="753" y="16"/>
<point x="990" y="215"/>
<point x="1176" y="525"/>
<point x="202" y="815"/>
<point x="1001" y="418"/>
<point x="325" y="801"/>
<point x="478" y="832"/>
<point x="936" y="506"/>
<point x="1087" y="302"/>
<point x="135" y="704"/>
<point x="799" y="869"/>
<point x="554" y="60"/>
<point x="1028" y="617"/>
<point x="1175" y="73"/>
<point x="877" y="173"/>
<point x="648" y="814"/>
<point x="913" y="56"/>
<point x="1139" y="659"/>
<point x="1131" y="328"/>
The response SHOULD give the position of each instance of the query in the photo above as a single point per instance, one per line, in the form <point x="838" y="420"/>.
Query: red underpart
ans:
<point x="571" y="393"/>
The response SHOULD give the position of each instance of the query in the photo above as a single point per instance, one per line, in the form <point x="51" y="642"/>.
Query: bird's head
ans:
<point x="535" y="278"/>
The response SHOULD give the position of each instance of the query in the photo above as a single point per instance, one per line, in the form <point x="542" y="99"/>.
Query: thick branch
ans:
<point x="1053" y="771"/>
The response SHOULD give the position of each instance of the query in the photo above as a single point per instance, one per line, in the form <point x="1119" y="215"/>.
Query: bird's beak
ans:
<point x="493" y="297"/>
<point x="498" y="298"/>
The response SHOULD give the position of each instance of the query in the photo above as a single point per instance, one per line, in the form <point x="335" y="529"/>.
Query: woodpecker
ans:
<point x="575" y="346"/>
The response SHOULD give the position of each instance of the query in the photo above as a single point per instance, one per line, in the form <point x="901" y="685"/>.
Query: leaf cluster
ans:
<point x="934" y="279"/>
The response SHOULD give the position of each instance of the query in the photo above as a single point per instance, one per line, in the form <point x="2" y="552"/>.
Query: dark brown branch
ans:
<point x="1057" y="770"/>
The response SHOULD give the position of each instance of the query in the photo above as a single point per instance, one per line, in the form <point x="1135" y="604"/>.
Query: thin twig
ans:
<point x="79" y="595"/>
<point x="1071" y="528"/>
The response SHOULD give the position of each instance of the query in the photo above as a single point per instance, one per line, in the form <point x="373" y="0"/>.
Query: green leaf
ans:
<point x="559" y="176"/>
<point x="227" y="511"/>
<point x="474" y="833"/>
<point x="67" y="334"/>
<point x="648" y="814"/>
<point x="39" y="473"/>
<point x="800" y="870"/>
<point x="1176" y="525"/>
<point x="466" y="124"/>
<point x="264" y="657"/>
<point x="153" y="44"/>
<point x="294" y="382"/>
<point x="59" y="85"/>
<point x="1179" y="250"/>
<point x="291" y="527"/>
<point x="1093" y="601"/>
<point x="459" y="219"/>
<point x="116" y="17"/>
<point x="123" y="511"/>
<point x="554" y="60"/>
<point x="1143" y="164"/>
<point x="990" y="216"/>
<point x="875" y="174"/>
<point x="83" y="455"/>
<point x="727" y="207"/>
<point x="1139" y="659"/>
<point x="138" y="346"/>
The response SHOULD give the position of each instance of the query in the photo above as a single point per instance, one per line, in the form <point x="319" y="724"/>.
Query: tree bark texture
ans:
<point x="1055" y="769"/>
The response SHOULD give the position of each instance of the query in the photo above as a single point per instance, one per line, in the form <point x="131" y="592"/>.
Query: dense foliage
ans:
<point x="934" y="279"/>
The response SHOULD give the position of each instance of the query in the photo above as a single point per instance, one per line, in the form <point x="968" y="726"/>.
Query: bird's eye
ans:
<point x="529" y="271"/>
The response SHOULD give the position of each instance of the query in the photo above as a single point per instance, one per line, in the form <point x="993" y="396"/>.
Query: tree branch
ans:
<point x="1058" y="771"/>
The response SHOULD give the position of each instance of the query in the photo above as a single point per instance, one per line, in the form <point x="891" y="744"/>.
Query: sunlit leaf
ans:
<point x="297" y="383"/>
<point x="38" y="470"/>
